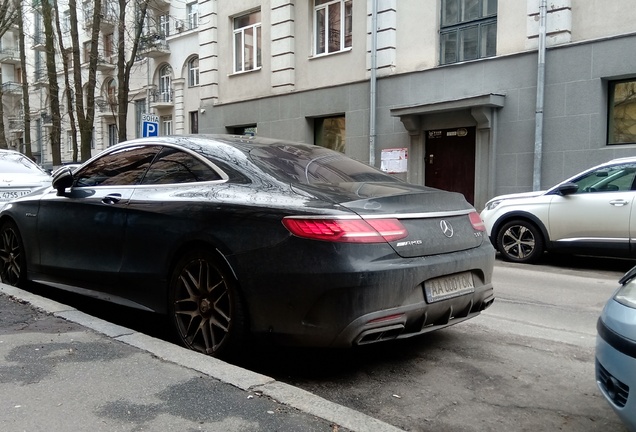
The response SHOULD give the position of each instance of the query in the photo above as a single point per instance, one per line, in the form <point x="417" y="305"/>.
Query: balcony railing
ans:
<point x="162" y="98"/>
<point x="10" y="55"/>
<point x="153" y="45"/>
<point x="11" y="88"/>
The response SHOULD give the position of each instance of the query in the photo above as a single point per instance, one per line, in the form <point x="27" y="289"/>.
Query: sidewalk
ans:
<point x="64" y="370"/>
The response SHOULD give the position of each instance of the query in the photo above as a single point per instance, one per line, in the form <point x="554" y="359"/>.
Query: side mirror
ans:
<point x="568" y="188"/>
<point x="62" y="179"/>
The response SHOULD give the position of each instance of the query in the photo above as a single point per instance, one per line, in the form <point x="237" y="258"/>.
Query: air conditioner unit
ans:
<point x="179" y="25"/>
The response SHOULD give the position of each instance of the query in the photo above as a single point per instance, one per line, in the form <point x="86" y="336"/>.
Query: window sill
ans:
<point x="318" y="56"/>
<point x="245" y="72"/>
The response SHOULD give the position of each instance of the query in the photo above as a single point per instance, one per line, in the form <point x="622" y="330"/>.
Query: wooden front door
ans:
<point x="450" y="161"/>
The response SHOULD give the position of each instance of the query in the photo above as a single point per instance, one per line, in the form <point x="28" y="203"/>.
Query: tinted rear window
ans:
<point x="313" y="164"/>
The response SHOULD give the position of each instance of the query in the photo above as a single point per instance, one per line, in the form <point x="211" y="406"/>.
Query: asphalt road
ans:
<point x="526" y="364"/>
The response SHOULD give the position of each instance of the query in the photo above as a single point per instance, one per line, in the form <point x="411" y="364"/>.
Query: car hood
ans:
<point x="437" y="221"/>
<point x="16" y="180"/>
<point x="518" y="195"/>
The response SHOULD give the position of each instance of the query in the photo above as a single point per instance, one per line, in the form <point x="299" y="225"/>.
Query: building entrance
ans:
<point x="449" y="160"/>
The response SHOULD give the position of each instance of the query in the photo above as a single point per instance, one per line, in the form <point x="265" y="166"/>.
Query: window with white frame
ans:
<point x="192" y="10"/>
<point x="468" y="30"/>
<point x="247" y="42"/>
<point x="166" y="125"/>
<point x="164" y="25"/>
<point x="165" y="84"/>
<point x="69" y="141"/>
<point x="193" y="72"/>
<point x="332" y="25"/>
<point x="112" y="135"/>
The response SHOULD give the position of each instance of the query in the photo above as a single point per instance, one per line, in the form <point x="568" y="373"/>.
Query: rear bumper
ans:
<point x="342" y="302"/>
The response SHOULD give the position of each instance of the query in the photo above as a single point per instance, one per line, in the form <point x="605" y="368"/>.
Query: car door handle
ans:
<point x="618" y="202"/>
<point x="111" y="199"/>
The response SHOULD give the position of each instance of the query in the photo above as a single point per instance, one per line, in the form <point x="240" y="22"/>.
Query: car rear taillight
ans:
<point x="346" y="230"/>
<point x="476" y="221"/>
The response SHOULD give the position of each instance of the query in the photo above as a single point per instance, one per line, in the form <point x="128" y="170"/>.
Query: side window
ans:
<point x="617" y="178"/>
<point x="122" y="168"/>
<point x="175" y="166"/>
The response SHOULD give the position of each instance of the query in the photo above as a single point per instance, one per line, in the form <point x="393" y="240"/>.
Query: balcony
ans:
<point x="159" y="4"/>
<point x="10" y="55"/>
<point x="106" y="63"/>
<point x="161" y="98"/>
<point x="16" y="126"/>
<point x="108" y="16"/>
<point x="40" y="78"/>
<point x="106" y="106"/>
<point x="153" y="45"/>
<point x="39" y="42"/>
<point x="11" y="88"/>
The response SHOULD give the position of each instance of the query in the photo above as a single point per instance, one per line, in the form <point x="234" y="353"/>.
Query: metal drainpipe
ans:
<point x="372" y="81"/>
<point x="538" y="131"/>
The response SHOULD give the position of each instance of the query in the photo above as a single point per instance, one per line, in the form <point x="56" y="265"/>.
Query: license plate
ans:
<point x="446" y="287"/>
<point x="7" y="195"/>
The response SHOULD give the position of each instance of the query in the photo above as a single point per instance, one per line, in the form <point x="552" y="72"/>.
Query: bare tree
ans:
<point x="124" y="66"/>
<point x="67" y="84"/>
<point x="54" y="89"/>
<point x="8" y="15"/>
<point x="25" y="83"/>
<point x="85" y="115"/>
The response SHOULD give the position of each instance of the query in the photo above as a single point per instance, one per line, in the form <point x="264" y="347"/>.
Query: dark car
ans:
<point x="236" y="236"/>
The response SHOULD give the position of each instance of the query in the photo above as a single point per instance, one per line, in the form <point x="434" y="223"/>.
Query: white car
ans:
<point x="589" y="214"/>
<point x="19" y="176"/>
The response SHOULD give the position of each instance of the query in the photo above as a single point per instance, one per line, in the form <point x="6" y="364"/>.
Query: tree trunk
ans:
<point x="54" y="89"/>
<point x="25" y="83"/>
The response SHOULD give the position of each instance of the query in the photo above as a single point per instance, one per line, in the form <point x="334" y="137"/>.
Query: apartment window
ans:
<point x="332" y="24"/>
<point x="193" y="72"/>
<point x="165" y="84"/>
<point x="69" y="141"/>
<point x="194" y="122"/>
<point x="112" y="135"/>
<point x="166" y="125"/>
<point x="111" y="90"/>
<point x="468" y="30"/>
<point x="140" y="108"/>
<point x="164" y="25"/>
<point x="249" y="130"/>
<point x="330" y="132"/>
<point x="66" y="21"/>
<point x="87" y="51"/>
<point x="108" y="46"/>
<point x="247" y="42"/>
<point x="192" y="10"/>
<point x="622" y="112"/>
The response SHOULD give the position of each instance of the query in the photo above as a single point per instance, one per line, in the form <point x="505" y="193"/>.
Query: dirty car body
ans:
<point x="236" y="236"/>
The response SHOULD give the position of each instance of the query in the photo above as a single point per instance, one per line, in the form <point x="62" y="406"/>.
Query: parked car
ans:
<point x="616" y="350"/>
<point x="238" y="236"/>
<point x="591" y="213"/>
<point x="19" y="176"/>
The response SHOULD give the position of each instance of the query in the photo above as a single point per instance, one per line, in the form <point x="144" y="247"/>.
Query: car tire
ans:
<point x="520" y="241"/>
<point x="205" y="307"/>
<point x="13" y="270"/>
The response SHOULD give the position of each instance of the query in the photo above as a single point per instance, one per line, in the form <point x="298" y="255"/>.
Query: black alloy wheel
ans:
<point x="205" y="308"/>
<point x="12" y="255"/>
<point x="520" y="241"/>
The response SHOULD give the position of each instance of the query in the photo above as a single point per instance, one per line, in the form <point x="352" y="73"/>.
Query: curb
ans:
<point x="238" y="377"/>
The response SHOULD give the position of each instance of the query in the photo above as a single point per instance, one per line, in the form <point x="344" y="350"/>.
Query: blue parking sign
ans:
<point x="149" y="129"/>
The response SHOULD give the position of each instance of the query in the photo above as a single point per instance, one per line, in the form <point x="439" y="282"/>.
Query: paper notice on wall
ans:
<point x="394" y="160"/>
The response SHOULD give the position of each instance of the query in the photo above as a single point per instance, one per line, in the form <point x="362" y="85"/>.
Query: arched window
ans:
<point x="165" y="84"/>
<point x="193" y="72"/>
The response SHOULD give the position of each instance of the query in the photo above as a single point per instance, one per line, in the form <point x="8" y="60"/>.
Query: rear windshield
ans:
<point x="309" y="164"/>
<point x="18" y="163"/>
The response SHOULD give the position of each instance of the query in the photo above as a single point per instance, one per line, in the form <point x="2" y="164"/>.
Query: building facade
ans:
<point x="483" y="97"/>
<point x="456" y="84"/>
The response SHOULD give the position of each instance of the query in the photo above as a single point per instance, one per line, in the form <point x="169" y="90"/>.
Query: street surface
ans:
<point x="526" y="364"/>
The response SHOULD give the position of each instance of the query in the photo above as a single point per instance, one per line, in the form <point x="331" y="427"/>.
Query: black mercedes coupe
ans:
<point x="232" y="237"/>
